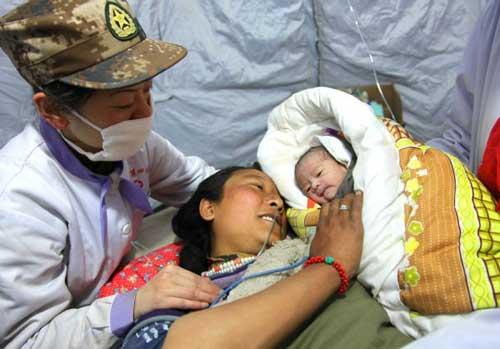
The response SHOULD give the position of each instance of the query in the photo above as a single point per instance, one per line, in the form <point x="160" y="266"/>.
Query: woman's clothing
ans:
<point x="141" y="270"/>
<point x="343" y="313"/>
<point x="355" y="320"/>
<point x="149" y="335"/>
<point x="64" y="230"/>
<point x="150" y="332"/>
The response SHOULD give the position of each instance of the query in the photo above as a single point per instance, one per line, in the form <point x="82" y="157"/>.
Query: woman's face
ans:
<point x="244" y="217"/>
<point x="106" y="108"/>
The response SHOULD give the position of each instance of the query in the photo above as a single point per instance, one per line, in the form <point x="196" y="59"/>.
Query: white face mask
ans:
<point x="119" y="141"/>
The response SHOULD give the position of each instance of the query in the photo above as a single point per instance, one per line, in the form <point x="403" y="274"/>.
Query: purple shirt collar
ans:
<point x="131" y="192"/>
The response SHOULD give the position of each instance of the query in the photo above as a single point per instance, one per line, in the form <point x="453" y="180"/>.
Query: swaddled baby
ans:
<point x="431" y="248"/>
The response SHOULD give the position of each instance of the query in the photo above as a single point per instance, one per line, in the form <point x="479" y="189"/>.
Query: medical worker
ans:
<point x="470" y="133"/>
<point x="74" y="185"/>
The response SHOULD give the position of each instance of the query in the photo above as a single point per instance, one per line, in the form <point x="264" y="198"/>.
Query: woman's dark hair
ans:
<point x="192" y="228"/>
<point x="66" y="94"/>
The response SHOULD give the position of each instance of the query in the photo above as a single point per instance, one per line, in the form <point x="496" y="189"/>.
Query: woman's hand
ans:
<point x="175" y="287"/>
<point x="340" y="232"/>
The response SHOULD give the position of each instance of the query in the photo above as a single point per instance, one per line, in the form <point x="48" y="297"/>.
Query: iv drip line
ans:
<point x="228" y="289"/>
<point x="372" y="62"/>
<point x="263" y="248"/>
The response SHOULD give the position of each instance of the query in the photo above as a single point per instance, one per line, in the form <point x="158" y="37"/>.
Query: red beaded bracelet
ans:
<point x="344" y="280"/>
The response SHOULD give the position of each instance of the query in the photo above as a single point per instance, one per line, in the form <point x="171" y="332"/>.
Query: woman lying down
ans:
<point x="431" y="252"/>
<point x="233" y="216"/>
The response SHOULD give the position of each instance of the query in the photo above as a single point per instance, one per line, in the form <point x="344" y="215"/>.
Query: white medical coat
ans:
<point x="53" y="259"/>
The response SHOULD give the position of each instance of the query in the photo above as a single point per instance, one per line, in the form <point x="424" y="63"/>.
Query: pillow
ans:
<point x="452" y="238"/>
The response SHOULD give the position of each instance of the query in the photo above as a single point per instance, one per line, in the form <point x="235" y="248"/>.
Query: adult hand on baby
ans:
<point x="340" y="232"/>
<point x="175" y="287"/>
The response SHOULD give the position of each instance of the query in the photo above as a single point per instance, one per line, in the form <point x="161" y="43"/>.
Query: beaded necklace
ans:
<point x="227" y="264"/>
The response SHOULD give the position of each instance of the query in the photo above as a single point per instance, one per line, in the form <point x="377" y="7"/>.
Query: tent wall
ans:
<point x="246" y="56"/>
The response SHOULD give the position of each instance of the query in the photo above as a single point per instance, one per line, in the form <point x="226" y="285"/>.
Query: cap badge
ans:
<point x="120" y="23"/>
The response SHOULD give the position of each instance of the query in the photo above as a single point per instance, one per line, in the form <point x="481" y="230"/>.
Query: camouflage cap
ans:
<point x="97" y="44"/>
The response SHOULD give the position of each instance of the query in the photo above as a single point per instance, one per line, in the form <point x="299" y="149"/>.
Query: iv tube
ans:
<point x="372" y="63"/>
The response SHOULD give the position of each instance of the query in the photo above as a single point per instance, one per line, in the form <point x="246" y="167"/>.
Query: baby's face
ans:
<point x="319" y="176"/>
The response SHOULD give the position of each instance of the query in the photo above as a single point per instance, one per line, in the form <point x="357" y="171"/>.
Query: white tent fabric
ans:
<point x="417" y="45"/>
<point x="245" y="57"/>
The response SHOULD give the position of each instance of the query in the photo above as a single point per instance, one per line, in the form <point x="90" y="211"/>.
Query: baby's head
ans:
<point x="318" y="175"/>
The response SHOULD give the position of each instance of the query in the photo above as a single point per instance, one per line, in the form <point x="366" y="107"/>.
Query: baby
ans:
<point x="322" y="178"/>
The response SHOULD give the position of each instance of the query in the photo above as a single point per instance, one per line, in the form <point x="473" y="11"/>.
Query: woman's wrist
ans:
<point x="337" y="266"/>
